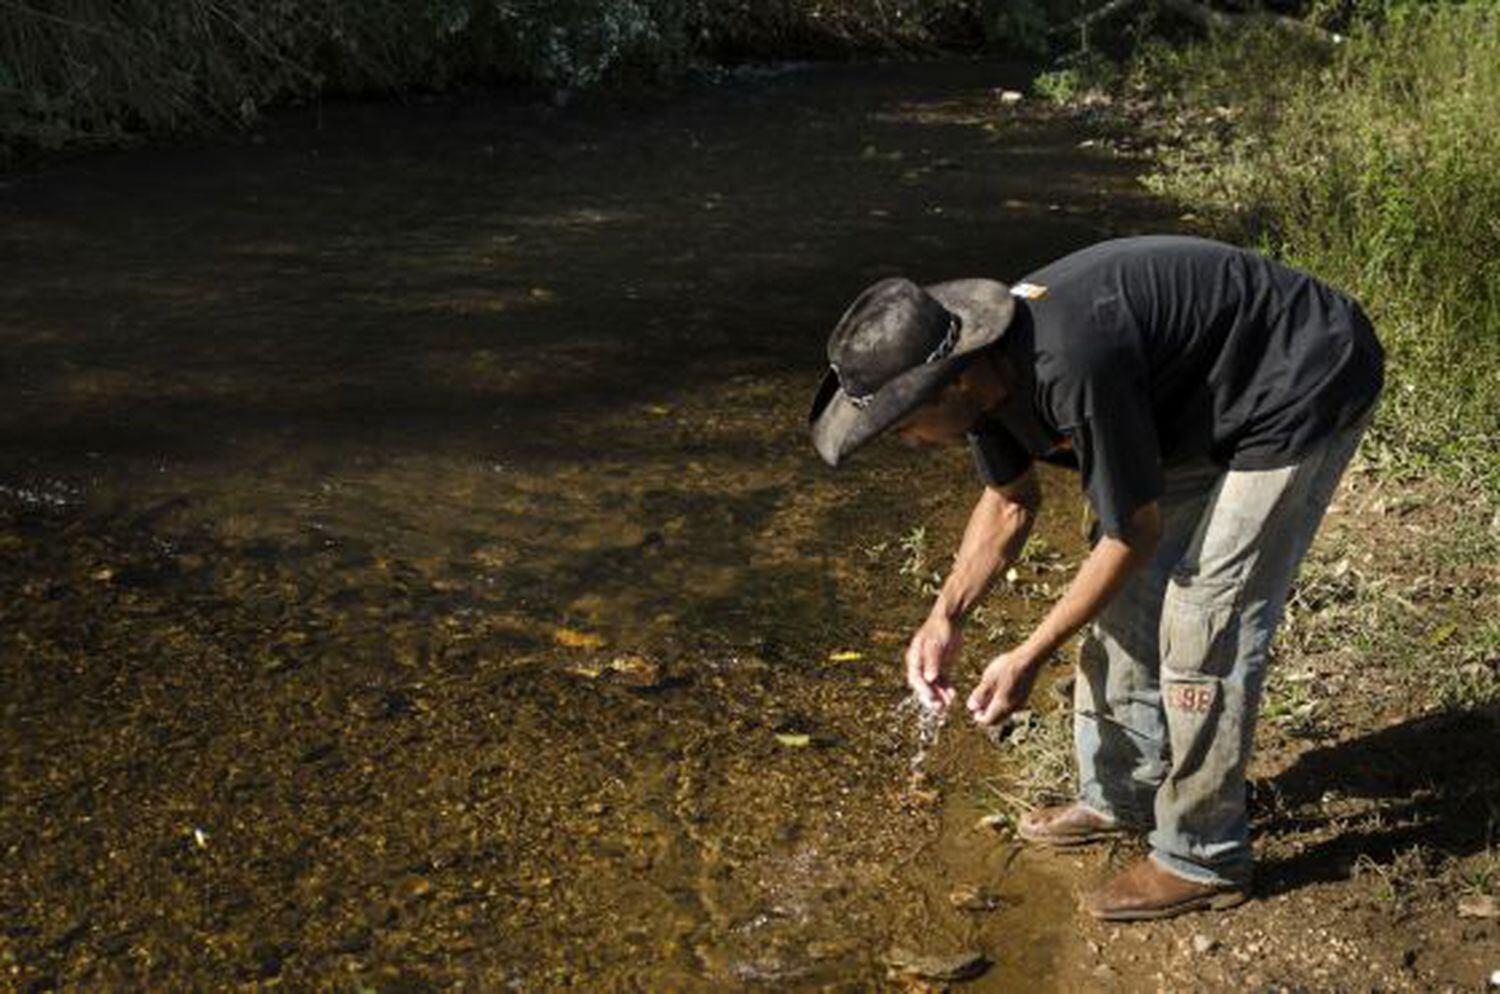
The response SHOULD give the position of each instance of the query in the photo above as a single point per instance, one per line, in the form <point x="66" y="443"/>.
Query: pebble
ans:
<point x="636" y="671"/>
<point x="957" y="966"/>
<point x="1204" y="943"/>
<point x="969" y="898"/>
<point x="1479" y="906"/>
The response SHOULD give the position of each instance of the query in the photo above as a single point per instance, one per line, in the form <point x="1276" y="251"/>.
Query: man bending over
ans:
<point x="1209" y="400"/>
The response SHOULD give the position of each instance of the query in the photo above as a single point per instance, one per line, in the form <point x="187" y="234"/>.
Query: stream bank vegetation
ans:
<point x="80" y="73"/>
<point x="1373" y="161"/>
<point x="1359" y="144"/>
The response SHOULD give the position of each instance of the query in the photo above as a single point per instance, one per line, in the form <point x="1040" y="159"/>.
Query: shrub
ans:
<point x="79" y="71"/>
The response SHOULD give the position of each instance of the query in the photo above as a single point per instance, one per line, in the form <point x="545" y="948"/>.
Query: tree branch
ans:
<point x="1093" y="17"/>
<point x="1214" y="21"/>
<point x="1205" y="17"/>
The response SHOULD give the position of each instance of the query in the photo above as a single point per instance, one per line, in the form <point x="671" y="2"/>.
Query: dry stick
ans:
<point x="45" y="16"/>
<point x="1217" y="20"/>
<point x="1203" y="16"/>
<point x="257" y="43"/>
<point x="1093" y="16"/>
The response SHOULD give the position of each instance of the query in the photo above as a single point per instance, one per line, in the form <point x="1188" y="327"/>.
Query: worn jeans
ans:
<point x="1170" y="676"/>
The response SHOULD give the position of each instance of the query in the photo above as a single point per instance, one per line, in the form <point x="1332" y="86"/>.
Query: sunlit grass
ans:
<point x="1378" y="169"/>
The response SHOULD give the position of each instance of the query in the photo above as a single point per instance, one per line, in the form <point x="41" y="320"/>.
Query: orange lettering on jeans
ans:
<point x="1198" y="698"/>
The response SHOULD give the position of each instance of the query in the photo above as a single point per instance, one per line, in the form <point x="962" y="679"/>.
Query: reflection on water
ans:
<point x="415" y="573"/>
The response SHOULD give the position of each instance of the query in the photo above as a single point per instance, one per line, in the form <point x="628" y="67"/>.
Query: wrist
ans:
<point x="947" y="609"/>
<point x="1029" y="655"/>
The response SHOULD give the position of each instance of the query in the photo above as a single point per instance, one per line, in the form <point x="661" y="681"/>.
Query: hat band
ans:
<point x="944" y="350"/>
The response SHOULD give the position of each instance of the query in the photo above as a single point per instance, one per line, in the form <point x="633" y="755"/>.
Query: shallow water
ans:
<point x="415" y="572"/>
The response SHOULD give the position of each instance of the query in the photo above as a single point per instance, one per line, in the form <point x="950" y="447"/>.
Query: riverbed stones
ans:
<point x="964" y="965"/>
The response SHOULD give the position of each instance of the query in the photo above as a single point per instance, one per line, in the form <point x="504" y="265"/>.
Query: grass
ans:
<point x="1377" y="167"/>
<point x="1039" y="765"/>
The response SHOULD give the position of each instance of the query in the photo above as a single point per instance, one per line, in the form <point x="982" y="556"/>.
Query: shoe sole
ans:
<point x="1221" y="901"/>
<point x="1071" y="841"/>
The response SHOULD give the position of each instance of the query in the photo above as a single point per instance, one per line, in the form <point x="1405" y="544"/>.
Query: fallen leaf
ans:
<point x="576" y="639"/>
<point x="1443" y="634"/>
<point x="845" y="656"/>
<point x="794" y="740"/>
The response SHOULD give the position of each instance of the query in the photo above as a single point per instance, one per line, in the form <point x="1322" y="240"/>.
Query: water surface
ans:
<point x="415" y="573"/>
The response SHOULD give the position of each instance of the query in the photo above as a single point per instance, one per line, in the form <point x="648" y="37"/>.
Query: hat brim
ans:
<point x="984" y="309"/>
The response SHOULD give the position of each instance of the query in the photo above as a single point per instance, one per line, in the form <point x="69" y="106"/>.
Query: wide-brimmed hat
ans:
<point x="894" y="349"/>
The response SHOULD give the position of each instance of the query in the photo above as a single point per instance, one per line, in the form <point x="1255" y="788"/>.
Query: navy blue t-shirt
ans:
<point x="1137" y="353"/>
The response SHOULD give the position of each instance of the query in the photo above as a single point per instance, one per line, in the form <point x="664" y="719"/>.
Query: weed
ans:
<point x="914" y="566"/>
<point x="1396" y="883"/>
<point x="1039" y="747"/>
<point x="1479" y="873"/>
<point x="1059" y="86"/>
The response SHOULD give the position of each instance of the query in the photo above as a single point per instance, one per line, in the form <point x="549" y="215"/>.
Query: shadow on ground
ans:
<point x="1433" y="782"/>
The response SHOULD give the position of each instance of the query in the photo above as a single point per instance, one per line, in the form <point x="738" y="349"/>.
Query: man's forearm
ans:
<point x="1100" y="577"/>
<point x="994" y="537"/>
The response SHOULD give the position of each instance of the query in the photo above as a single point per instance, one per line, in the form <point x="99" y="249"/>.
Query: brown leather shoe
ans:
<point x="1066" y="825"/>
<point x="1146" y="889"/>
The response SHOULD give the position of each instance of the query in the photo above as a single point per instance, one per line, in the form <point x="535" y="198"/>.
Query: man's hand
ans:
<point x="934" y="646"/>
<point x="1003" y="688"/>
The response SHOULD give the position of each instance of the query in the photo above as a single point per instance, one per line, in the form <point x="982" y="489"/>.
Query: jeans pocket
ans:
<point x="1197" y="629"/>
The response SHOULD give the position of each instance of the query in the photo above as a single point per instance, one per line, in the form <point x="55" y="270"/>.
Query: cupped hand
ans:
<point x="932" y="649"/>
<point x="1002" y="689"/>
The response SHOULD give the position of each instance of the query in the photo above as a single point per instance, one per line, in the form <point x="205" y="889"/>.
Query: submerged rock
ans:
<point x="970" y="898"/>
<point x="632" y="671"/>
<point x="1479" y="906"/>
<point x="954" y="966"/>
<point x="637" y="671"/>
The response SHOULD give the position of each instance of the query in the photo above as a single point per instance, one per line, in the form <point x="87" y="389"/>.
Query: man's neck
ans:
<point x="993" y="380"/>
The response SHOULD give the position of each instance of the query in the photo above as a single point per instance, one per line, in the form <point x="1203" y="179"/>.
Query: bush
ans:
<point x="80" y="71"/>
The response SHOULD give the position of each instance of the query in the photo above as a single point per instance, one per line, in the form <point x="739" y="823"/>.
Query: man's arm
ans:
<point x="995" y="535"/>
<point x="1007" y="680"/>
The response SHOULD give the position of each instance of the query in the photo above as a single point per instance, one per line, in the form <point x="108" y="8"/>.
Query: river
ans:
<point x="415" y="575"/>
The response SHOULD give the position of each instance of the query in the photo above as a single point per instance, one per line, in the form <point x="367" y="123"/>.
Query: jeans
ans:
<point x="1170" y="675"/>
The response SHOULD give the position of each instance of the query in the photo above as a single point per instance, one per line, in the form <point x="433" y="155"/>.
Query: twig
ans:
<point x="1203" y="16"/>
<point x="55" y="19"/>
<point x="1093" y="17"/>
<point x="1212" y="20"/>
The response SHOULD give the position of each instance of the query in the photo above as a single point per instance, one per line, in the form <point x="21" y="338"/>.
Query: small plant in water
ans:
<point x="914" y="566"/>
